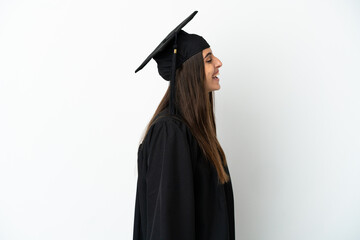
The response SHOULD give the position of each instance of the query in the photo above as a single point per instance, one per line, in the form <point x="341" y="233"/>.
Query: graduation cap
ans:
<point x="172" y="52"/>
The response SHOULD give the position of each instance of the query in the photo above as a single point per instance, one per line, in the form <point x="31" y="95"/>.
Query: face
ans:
<point x="212" y="65"/>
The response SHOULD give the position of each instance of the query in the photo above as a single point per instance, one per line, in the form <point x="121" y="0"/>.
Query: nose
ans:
<point x="218" y="63"/>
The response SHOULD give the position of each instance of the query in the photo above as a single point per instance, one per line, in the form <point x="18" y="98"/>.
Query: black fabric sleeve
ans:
<point x="170" y="186"/>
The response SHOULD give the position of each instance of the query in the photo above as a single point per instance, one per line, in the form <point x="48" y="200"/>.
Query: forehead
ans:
<point x="206" y="51"/>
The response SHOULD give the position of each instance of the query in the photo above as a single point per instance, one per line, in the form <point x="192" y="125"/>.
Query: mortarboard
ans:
<point x="172" y="52"/>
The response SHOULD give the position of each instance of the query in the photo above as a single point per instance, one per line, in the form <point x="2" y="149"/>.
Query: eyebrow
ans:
<point x="209" y="53"/>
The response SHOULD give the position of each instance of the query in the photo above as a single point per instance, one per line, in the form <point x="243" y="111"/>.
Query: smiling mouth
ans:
<point x="215" y="77"/>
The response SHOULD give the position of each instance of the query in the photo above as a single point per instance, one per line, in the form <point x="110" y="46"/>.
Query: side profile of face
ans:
<point x="211" y="65"/>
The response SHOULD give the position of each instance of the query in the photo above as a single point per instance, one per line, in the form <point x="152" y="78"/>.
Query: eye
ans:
<point x="209" y="61"/>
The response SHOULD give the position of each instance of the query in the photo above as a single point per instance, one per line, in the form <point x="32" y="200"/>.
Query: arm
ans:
<point x="170" y="185"/>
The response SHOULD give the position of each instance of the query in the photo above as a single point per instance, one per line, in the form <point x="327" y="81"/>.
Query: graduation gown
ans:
<point x="178" y="196"/>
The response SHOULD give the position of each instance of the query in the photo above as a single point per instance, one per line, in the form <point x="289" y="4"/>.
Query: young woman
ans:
<point x="184" y="189"/>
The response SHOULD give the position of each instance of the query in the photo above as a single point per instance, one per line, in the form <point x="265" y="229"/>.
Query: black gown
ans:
<point x="178" y="195"/>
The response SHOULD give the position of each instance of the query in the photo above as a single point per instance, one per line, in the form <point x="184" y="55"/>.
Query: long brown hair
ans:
<point x="196" y="108"/>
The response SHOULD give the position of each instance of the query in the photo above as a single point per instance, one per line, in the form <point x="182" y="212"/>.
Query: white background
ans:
<point x="72" y="112"/>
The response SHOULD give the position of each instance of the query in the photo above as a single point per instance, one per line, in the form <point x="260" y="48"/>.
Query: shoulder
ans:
<point x="170" y="121"/>
<point x="172" y="135"/>
<point x="169" y="126"/>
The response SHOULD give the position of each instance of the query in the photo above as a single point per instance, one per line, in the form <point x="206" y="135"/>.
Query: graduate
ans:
<point x="184" y="189"/>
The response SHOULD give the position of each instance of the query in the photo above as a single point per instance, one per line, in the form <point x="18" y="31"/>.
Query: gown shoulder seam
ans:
<point x="171" y="120"/>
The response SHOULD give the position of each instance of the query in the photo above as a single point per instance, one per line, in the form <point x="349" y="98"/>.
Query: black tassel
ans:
<point x="172" y="80"/>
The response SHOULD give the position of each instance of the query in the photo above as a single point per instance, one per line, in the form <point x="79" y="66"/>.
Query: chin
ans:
<point x="215" y="88"/>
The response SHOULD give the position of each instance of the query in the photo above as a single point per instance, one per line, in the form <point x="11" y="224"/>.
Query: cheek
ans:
<point x="209" y="77"/>
<point x="209" y="71"/>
